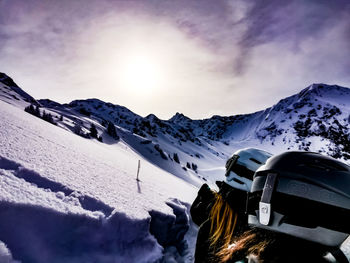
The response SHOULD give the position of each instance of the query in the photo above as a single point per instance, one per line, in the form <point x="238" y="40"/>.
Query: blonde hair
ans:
<point x="223" y="223"/>
<point x="267" y="246"/>
<point x="248" y="243"/>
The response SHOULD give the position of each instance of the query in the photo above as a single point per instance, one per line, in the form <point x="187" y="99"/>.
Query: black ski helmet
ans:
<point x="302" y="194"/>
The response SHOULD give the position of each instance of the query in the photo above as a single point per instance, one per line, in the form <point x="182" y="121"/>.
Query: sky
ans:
<point x="196" y="57"/>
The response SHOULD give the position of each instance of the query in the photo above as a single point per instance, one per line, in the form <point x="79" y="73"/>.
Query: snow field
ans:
<point x="67" y="199"/>
<point x="87" y="190"/>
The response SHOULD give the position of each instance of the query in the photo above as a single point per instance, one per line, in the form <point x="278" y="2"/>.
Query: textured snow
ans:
<point x="5" y="254"/>
<point x="77" y="199"/>
<point x="64" y="198"/>
<point x="103" y="171"/>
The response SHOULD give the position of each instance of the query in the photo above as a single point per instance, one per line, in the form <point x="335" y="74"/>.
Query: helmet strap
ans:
<point x="230" y="163"/>
<point x="265" y="202"/>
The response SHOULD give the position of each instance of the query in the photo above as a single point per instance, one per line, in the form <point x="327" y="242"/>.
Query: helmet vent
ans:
<point x="255" y="161"/>
<point x="324" y="165"/>
<point x="237" y="181"/>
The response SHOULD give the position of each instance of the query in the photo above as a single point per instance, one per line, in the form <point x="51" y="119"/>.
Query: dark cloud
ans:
<point x="290" y="22"/>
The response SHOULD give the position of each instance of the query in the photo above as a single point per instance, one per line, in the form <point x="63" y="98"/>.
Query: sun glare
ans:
<point x="141" y="74"/>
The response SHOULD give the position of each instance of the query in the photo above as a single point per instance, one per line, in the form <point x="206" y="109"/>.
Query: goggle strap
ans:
<point x="265" y="202"/>
<point x="230" y="163"/>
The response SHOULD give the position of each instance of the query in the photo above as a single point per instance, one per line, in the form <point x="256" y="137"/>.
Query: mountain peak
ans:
<point x="7" y="80"/>
<point x="178" y="117"/>
<point x="49" y="103"/>
<point x="152" y="117"/>
<point x="10" y="90"/>
<point x="321" y="89"/>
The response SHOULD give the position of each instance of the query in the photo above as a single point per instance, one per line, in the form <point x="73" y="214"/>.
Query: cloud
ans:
<point x="291" y="22"/>
<point x="218" y="57"/>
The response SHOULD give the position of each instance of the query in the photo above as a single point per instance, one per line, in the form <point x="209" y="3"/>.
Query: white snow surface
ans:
<point x="64" y="198"/>
<point x="5" y="254"/>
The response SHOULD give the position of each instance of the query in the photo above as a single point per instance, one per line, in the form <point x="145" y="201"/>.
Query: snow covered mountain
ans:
<point x="315" y="119"/>
<point x="69" y="198"/>
<point x="64" y="198"/>
<point x="11" y="93"/>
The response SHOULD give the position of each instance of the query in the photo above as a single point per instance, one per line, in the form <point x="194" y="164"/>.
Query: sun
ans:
<point x="141" y="73"/>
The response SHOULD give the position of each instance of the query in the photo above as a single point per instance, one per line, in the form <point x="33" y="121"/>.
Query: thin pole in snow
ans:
<point x="138" y="171"/>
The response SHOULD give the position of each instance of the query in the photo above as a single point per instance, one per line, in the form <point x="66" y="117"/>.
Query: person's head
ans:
<point x="228" y="213"/>
<point x="297" y="198"/>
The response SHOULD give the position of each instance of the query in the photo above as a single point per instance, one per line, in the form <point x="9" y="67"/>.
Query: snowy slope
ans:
<point x="156" y="140"/>
<point x="315" y="119"/>
<point x="67" y="199"/>
<point x="11" y="93"/>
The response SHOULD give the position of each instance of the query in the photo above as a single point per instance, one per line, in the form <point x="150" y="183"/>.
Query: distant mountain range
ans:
<point x="316" y="119"/>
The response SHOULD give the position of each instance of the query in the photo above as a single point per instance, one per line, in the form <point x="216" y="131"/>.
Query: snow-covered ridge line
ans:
<point x="10" y="91"/>
<point x="316" y="119"/>
<point x="323" y="105"/>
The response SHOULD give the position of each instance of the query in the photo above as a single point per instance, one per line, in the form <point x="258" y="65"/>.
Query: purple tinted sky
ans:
<point x="216" y="57"/>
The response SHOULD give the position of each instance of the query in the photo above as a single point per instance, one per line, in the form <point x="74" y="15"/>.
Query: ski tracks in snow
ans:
<point x="79" y="228"/>
<point x="62" y="192"/>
